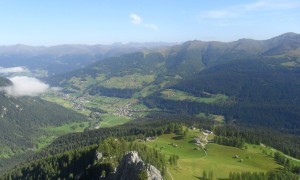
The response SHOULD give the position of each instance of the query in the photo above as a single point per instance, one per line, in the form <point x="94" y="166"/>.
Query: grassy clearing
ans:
<point x="44" y="141"/>
<point x="68" y="128"/>
<point x="51" y="133"/>
<point x="108" y="104"/>
<point x="5" y="152"/>
<point x="133" y="81"/>
<point x="177" y="95"/>
<point x="113" y="120"/>
<point x="148" y="90"/>
<point x="84" y="82"/>
<point x="184" y="149"/>
<point x="219" y="158"/>
<point x="217" y="118"/>
<point x="58" y="100"/>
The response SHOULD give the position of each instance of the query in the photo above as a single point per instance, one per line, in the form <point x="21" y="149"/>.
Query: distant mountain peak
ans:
<point x="288" y="36"/>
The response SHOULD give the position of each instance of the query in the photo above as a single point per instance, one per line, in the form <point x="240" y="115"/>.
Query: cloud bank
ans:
<point x="25" y="86"/>
<point x="13" y="70"/>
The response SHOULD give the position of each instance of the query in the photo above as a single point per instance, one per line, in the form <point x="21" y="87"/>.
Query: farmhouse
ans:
<point x="150" y="138"/>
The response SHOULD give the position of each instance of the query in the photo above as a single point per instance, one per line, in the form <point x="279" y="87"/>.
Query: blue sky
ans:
<point x="55" y="22"/>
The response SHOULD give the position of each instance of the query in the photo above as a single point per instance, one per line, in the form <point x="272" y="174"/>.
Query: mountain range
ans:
<point x="244" y="83"/>
<point x="63" y="58"/>
<point x="260" y="79"/>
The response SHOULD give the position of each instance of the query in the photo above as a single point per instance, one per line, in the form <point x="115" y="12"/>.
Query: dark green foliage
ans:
<point x="59" y="166"/>
<point x="97" y="170"/>
<point x="112" y="92"/>
<point x="83" y="161"/>
<point x="116" y="148"/>
<point x="207" y="176"/>
<point x="259" y="94"/>
<point x="232" y="141"/>
<point x="143" y="175"/>
<point x="22" y="121"/>
<point x="117" y="145"/>
<point x="286" y="143"/>
<point x="75" y="142"/>
<point x="288" y="165"/>
<point x="173" y="160"/>
<point x="204" y="175"/>
<point x="24" y="116"/>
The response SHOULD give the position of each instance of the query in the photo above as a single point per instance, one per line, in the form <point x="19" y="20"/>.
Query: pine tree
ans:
<point x="204" y="175"/>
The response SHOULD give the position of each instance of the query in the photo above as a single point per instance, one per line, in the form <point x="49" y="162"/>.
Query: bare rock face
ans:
<point x="132" y="166"/>
<point x="153" y="173"/>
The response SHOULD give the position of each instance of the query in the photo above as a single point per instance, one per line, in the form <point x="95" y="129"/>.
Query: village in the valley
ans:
<point x="78" y="103"/>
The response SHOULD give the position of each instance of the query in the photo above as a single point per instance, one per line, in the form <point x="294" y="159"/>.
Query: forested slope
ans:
<point x="23" y="120"/>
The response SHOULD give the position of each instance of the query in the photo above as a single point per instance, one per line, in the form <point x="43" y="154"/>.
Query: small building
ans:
<point x="208" y="131"/>
<point x="193" y="128"/>
<point x="150" y="138"/>
<point x="197" y="140"/>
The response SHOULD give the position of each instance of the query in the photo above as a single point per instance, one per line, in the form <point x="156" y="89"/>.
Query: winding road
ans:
<point x="170" y="174"/>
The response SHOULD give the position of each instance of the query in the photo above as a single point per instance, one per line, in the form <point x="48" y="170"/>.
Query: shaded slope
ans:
<point x="263" y="94"/>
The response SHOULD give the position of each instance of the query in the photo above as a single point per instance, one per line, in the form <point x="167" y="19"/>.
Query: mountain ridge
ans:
<point x="261" y="64"/>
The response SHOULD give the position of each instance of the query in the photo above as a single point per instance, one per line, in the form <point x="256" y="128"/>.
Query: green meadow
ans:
<point x="51" y="133"/>
<point x="133" y="81"/>
<point x="113" y="120"/>
<point x="219" y="159"/>
<point x="177" y="95"/>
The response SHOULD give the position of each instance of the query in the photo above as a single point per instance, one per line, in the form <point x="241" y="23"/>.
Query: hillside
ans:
<point x="24" y="122"/>
<point x="4" y="82"/>
<point x="192" y="57"/>
<point x="244" y="81"/>
<point x="170" y="147"/>
<point x="257" y="94"/>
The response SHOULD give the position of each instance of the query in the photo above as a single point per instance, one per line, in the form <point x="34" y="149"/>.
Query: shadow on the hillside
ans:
<point x="180" y="137"/>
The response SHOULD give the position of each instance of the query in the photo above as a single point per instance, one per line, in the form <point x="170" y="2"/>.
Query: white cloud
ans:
<point x="135" y="19"/>
<point x="25" y="86"/>
<point x="152" y="26"/>
<point x="13" y="70"/>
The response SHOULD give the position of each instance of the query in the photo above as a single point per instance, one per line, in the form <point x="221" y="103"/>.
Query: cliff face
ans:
<point x="132" y="166"/>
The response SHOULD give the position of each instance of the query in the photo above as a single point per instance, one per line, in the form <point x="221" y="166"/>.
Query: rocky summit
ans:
<point x="132" y="166"/>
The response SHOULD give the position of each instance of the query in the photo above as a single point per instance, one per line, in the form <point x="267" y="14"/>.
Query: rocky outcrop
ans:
<point x="131" y="166"/>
